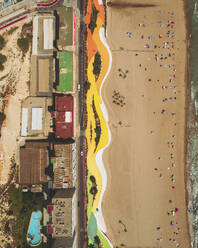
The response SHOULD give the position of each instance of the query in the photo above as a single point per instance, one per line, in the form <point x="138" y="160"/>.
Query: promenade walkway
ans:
<point x="95" y="119"/>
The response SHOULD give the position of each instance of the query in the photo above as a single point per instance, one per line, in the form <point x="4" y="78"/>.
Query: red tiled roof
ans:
<point x="50" y="208"/>
<point x="50" y="229"/>
<point x="64" y="104"/>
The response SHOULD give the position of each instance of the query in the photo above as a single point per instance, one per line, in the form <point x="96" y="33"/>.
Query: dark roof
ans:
<point x="36" y="143"/>
<point x="62" y="243"/>
<point x="33" y="161"/>
<point x="64" y="193"/>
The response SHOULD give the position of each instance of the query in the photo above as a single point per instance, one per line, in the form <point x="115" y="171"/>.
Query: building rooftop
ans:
<point x="42" y="75"/>
<point x="35" y="119"/>
<point x="62" y="242"/>
<point x="62" y="164"/>
<point x="43" y="34"/>
<point x="60" y="211"/>
<point x="33" y="161"/>
<point x="64" y="116"/>
<point x="48" y="34"/>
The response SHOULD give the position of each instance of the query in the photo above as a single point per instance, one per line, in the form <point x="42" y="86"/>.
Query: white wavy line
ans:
<point x="99" y="161"/>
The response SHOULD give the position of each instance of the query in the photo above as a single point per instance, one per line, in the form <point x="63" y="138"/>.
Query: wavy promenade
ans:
<point x="97" y="116"/>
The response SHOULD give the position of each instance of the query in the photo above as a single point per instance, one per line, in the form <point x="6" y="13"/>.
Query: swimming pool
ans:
<point x="34" y="235"/>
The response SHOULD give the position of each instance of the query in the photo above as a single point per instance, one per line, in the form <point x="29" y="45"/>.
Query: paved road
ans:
<point x="26" y="7"/>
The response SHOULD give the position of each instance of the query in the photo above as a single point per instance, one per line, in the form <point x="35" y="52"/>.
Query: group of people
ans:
<point x="166" y="31"/>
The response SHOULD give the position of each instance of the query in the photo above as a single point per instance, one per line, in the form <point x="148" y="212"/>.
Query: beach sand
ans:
<point x="146" y="161"/>
<point x="16" y="76"/>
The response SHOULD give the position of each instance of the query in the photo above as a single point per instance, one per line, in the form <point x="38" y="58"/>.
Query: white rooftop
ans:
<point x="68" y="116"/>
<point x="48" y="33"/>
<point x="24" y="126"/>
<point x="37" y="118"/>
<point x="35" y="36"/>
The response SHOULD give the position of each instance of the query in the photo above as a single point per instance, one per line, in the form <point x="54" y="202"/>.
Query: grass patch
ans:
<point x="66" y="74"/>
<point x="92" y="227"/>
<point x="66" y="26"/>
<point x="23" y="204"/>
<point x="103" y="240"/>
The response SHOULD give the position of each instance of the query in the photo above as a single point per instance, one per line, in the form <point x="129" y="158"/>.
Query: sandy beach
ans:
<point x="14" y="88"/>
<point x="13" y="80"/>
<point x="145" y="94"/>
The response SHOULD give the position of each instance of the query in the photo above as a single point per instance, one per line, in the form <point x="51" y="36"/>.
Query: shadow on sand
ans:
<point x="121" y="5"/>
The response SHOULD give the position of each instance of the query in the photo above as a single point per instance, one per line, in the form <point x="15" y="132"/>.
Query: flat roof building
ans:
<point x="36" y="122"/>
<point x="35" y="119"/>
<point x="33" y="161"/>
<point x="63" y="165"/>
<point x="64" y="116"/>
<point x="62" y="242"/>
<point x="42" y="75"/>
<point x="48" y="34"/>
<point x="60" y="210"/>
<point x="43" y="34"/>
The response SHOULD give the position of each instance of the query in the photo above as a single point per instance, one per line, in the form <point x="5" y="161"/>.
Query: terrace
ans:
<point x="59" y="222"/>
<point x="62" y="164"/>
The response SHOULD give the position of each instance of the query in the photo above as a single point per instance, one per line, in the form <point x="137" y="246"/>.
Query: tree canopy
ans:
<point x="2" y="42"/>
<point x="23" y="44"/>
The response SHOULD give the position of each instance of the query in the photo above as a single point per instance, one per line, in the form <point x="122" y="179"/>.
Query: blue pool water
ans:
<point x="34" y="228"/>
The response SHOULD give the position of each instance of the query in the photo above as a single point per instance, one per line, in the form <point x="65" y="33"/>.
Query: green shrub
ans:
<point x="97" y="240"/>
<point x="7" y="227"/>
<point x="3" y="58"/>
<point x="92" y="179"/>
<point x="87" y="85"/>
<point x="1" y="67"/>
<point x="2" y="42"/>
<point x="2" y="117"/>
<point x="23" y="44"/>
<point x="97" y="64"/>
<point x="92" y="25"/>
<point x="93" y="190"/>
<point x="91" y="246"/>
